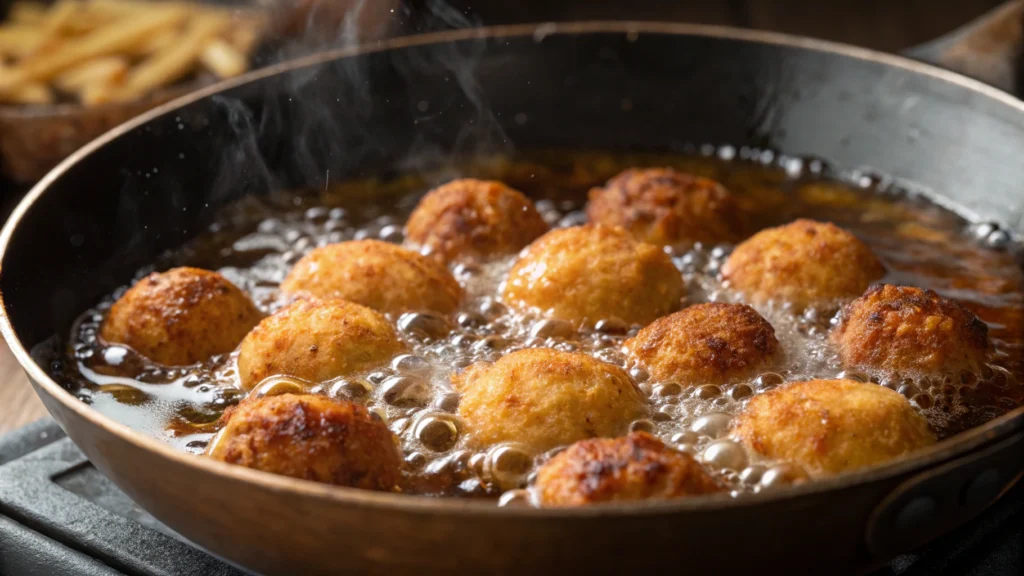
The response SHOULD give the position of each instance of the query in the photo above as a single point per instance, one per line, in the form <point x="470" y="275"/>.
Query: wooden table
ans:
<point x="19" y="404"/>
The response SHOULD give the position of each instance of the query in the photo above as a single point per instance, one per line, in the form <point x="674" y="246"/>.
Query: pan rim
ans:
<point x="956" y="446"/>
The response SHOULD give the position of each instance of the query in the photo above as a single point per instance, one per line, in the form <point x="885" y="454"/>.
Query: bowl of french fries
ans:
<point x="73" y="69"/>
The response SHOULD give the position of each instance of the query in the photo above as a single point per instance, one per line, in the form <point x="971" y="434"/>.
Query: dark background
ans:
<point x="890" y="25"/>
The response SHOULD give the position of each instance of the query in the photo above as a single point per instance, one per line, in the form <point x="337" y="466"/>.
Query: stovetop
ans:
<point x="60" y="516"/>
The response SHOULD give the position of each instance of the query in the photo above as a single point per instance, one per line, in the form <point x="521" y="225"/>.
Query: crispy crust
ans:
<point x="316" y="341"/>
<point x="665" y="207"/>
<point x="181" y="316"/>
<point x="542" y="398"/>
<point x="380" y="275"/>
<point x="634" y="467"/>
<point x="710" y="343"/>
<point x="909" y="331"/>
<point x="474" y="219"/>
<point x="313" y="438"/>
<point x="832" y="426"/>
<point x="587" y="273"/>
<point x="804" y="263"/>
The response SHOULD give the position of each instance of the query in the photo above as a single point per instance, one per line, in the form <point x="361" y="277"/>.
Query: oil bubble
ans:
<point x="508" y="465"/>
<point x="437" y="433"/>
<point x="406" y="391"/>
<point x="713" y="425"/>
<point x="723" y="454"/>
<point x="278" y="385"/>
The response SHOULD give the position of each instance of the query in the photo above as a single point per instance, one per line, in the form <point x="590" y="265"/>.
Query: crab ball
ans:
<point x="665" y="207"/>
<point x="310" y="437"/>
<point x="634" y="467"/>
<point x="900" y="330"/>
<point x="832" y="426"/>
<point x="181" y="316"/>
<point x="710" y="343"/>
<point x="473" y="220"/>
<point x="804" y="264"/>
<point x="315" y="341"/>
<point x="588" y="273"/>
<point x="541" y="399"/>
<point x="380" y="275"/>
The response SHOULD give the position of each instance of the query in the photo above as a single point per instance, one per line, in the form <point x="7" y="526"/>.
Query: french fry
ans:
<point x="57" y="18"/>
<point x="29" y="93"/>
<point x="157" y="42"/>
<point x="84" y="25"/>
<point x="86" y="48"/>
<point x="116" y="37"/>
<point x="106" y="70"/>
<point x="87" y="20"/>
<point x="130" y="8"/>
<point x="223" y="59"/>
<point x="5" y="73"/>
<point x="173" y="62"/>
<point x="97" y="94"/>
<point x="17" y="41"/>
<point x="27" y="13"/>
<point x="245" y="37"/>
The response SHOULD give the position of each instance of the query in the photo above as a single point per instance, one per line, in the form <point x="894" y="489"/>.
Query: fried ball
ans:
<point x="315" y="341"/>
<point x="909" y="331"/>
<point x="587" y="273"/>
<point x="380" y="275"/>
<point x="710" y="343"/>
<point x="804" y="263"/>
<point x="634" y="467"/>
<point x="832" y="426"/>
<point x="310" y="437"/>
<point x="181" y="316"/>
<point x="474" y="219"/>
<point x="665" y="207"/>
<point x="542" y="398"/>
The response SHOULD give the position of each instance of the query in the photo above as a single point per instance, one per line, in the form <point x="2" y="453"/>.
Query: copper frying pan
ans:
<point x="86" y="226"/>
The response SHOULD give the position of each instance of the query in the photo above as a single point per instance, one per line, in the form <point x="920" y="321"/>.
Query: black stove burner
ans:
<point x="60" y="516"/>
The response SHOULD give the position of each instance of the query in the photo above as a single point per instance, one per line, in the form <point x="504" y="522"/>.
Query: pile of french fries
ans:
<point x="101" y="51"/>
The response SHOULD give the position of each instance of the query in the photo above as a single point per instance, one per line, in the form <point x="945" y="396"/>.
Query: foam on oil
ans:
<point x="255" y="243"/>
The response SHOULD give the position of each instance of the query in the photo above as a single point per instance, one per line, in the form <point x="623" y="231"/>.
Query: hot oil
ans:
<point x="255" y="243"/>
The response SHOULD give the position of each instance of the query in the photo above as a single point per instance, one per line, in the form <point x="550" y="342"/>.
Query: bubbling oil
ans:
<point x="255" y="243"/>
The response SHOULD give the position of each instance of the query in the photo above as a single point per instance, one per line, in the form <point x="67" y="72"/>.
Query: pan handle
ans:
<point x="936" y="501"/>
<point x="989" y="48"/>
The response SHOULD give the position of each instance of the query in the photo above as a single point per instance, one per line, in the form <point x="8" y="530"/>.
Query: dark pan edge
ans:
<point x="944" y="451"/>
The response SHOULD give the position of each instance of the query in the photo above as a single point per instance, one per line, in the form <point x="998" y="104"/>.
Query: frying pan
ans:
<point x="153" y="183"/>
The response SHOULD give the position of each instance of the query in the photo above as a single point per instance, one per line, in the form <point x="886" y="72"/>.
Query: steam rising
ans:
<point x="325" y="122"/>
<point x="244" y="155"/>
<point x="484" y="132"/>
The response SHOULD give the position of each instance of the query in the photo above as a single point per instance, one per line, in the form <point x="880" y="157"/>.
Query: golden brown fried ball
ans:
<point x="587" y="273"/>
<point x="832" y="426"/>
<point x="665" y="207"/>
<point x="909" y="331"/>
<point x="710" y="343"/>
<point x="804" y="263"/>
<point x="310" y="437"/>
<point x="634" y="467"/>
<point x="315" y="341"/>
<point x="181" y="316"/>
<point x="542" y="398"/>
<point x="474" y="219"/>
<point x="380" y="275"/>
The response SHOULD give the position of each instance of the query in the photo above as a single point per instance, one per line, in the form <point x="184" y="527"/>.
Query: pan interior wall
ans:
<point x="416" y="107"/>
